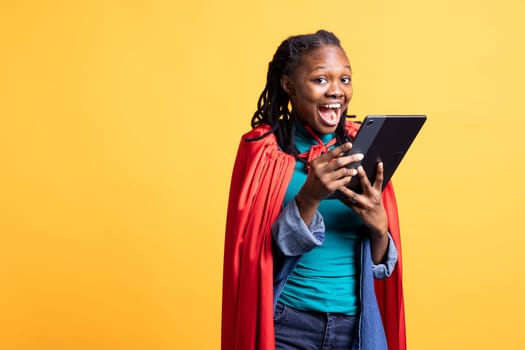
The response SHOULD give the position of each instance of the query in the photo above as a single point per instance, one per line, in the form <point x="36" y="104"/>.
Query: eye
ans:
<point x="321" y="80"/>
<point x="346" y="80"/>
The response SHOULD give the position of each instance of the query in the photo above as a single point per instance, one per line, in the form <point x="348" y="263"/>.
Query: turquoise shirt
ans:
<point x="326" y="279"/>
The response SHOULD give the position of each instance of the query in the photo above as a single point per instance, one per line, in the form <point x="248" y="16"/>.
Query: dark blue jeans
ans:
<point x="296" y="329"/>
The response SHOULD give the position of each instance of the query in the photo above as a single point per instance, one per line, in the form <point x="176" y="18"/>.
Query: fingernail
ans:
<point x="360" y="156"/>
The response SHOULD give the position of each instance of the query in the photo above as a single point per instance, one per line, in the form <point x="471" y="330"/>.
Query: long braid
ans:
<point x="273" y="104"/>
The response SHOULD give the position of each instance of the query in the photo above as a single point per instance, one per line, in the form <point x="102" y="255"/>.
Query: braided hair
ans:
<point x="273" y="104"/>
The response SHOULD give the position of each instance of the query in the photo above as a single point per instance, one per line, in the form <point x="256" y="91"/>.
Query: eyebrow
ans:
<point x="324" y="67"/>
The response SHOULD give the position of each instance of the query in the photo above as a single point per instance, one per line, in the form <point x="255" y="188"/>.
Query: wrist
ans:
<point x="306" y="202"/>
<point x="379" y="232"/>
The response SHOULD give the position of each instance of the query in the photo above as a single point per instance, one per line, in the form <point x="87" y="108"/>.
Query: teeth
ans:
<point x="333" y="105"/>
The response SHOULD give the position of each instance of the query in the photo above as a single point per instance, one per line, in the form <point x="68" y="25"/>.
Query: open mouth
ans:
<point x="330" y="113"/>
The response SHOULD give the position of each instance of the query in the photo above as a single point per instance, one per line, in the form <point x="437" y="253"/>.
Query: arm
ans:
<point x="369" y="206"/>
<point x="378" y="244"/>
<point x="326" y="174"/>
<point x="292" y="235"/>
<point x="386" y="267"/>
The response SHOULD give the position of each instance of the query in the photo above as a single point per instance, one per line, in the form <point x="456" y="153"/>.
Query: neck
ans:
<point x="308" y="132"/>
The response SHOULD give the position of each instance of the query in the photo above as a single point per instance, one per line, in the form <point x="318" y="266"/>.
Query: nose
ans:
<point x="335" y="90"/>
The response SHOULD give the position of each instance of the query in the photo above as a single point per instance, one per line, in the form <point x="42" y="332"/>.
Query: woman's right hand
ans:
<point x="327" y="173"/>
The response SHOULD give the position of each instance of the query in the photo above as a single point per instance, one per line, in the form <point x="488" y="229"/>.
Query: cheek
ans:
<point x="349" y="92"/>
<point x="306" y="97"/>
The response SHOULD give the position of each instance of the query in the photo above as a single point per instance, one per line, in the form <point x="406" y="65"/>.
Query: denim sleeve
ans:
<point x="291" y="235"/>
<point x="385" y="269"/>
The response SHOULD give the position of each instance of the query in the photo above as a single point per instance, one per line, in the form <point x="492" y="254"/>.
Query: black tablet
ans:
<point x="384" y="138"/>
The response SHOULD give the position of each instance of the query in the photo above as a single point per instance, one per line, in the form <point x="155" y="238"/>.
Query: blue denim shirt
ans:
<point x="292" y="238"/>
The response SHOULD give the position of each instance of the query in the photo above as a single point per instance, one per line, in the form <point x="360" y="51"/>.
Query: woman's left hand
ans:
<point x="369" y="205"/>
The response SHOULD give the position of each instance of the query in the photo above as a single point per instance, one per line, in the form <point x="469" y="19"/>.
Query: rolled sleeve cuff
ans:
<point x="385" y="269"/>
<point x="291" y="234"/>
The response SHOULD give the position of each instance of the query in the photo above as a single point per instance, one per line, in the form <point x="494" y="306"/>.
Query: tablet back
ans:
<point x="384" y="138"/>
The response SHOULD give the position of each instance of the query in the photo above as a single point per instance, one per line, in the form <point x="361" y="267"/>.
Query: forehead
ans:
<point x="324" y="57"/>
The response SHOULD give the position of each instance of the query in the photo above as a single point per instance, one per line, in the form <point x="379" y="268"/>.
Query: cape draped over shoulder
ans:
<point x="260" y="177"/>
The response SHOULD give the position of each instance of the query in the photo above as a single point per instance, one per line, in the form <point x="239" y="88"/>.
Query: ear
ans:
<point x="287" y="85"/>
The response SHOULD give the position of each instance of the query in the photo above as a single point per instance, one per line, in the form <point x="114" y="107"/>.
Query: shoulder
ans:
<point x="257" y="140"/>
<point x="258" y="147"/>
<point x="260" y="137"/>
<point x="260" y="131"/>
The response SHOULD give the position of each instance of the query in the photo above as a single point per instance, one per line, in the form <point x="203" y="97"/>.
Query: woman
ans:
<point x="299" y="267"/>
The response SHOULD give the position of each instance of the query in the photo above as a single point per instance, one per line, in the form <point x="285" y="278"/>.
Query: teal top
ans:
<point x="326" y="279"/>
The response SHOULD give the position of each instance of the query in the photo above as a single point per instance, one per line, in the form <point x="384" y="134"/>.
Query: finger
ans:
<point x="346" y="161"/>
<point x="352" y="198"/>
<point x="365" y="183"/>
<point x="378" y="182"/>
<point x="336" y="152"/>
<point x="340" y="177"/>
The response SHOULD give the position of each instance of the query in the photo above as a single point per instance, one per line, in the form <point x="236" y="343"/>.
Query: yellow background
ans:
<point x="119" y="125"/>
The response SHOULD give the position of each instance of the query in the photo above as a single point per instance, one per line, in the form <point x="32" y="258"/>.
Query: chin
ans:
<point x="326" y="129"/>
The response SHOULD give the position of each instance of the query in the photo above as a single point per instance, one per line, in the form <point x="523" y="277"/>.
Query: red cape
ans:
<point x="260" y="177"/>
